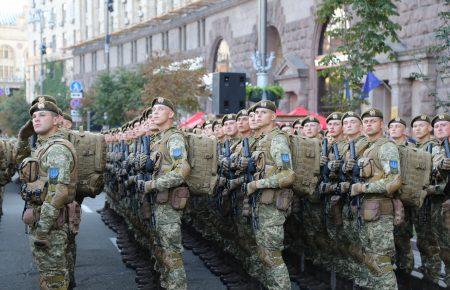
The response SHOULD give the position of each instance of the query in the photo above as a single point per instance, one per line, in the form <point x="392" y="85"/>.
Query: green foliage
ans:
<point x="118" y="95"/>
<point x="362" y="28"/>
<point x="273" y="93"/>
<point x="14" y="111"/>
<point x="54" y="84"/>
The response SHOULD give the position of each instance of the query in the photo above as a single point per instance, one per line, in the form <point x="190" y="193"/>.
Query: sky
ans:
<point x="12" y="5"/>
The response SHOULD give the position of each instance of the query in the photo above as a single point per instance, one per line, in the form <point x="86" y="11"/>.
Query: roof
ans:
<point x="8" y="18"/>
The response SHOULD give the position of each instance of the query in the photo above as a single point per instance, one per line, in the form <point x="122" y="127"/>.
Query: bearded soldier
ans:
<point x="274" y="178"/>
<point x="171" y="194"/>
<point x="47" y="195"/>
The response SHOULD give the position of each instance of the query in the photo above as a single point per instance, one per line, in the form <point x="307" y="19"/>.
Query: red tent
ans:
<point x="301" y="111"/>
<point x="196" y="119"/>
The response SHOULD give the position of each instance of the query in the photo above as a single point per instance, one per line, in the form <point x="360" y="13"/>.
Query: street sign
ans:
<point x="74" y="113"/>
<point x="76" y="95"/>
<point x="75" y="103"/>
<point x="76" y="87"/>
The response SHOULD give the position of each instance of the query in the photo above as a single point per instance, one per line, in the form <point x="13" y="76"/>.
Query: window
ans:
<point x="149" y="46"/>
<point x="82" y="64"/>
<point x="34" y="47"/>
<point x="199" y="33"/>
<point x="7" y="62"/>
<point x="63" y="14"/>
<point x="53" y="44"/>
<point x="163" y="41"/>
<point x="94" y="61"/>
<point x="64" y="39"/>
<point x="182" y="38"/>
<point x="134" y="51"/>
<point x="203" y="32"/>
<point x="120" y="55"/>
<point x="74" y="37"/>
<point x="222" y="61"/>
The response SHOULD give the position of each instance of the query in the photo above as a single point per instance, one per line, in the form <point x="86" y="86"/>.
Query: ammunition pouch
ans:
<point x="267" y="196"/>
<point x="260" y="160"/>
<point x="35" y="192"/>
<point x="162" y="197"/>
<point x="179" y="197"/>
<point x="31" y="216"/>
<point x="372" y="209"/>
<point x="367" y="167"/>
<point x="399" y="212"/>
<point x="283" y="199"/>
<point x="336" y="210"/>
<point x="74" y="215"/>
<point x="29" y="170"/>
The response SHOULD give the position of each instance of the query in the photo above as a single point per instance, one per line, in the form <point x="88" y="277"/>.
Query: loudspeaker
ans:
<point x="228" y="92"/>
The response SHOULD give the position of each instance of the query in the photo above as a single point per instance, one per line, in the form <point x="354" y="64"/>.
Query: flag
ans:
<point x="371" y="83"/>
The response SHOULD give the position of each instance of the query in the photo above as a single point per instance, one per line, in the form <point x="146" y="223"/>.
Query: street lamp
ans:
<point x="109" y="8"/>
<point x="261" y="62"/>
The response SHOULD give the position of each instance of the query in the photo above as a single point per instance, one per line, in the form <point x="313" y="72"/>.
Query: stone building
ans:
<point x="13" y="51"/>
<point x="224" y="34"/>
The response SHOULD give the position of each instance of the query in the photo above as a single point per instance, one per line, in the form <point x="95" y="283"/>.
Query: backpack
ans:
<point x="202" y="157"/>
<point x="91" y="154"/>
<point x="415" y="171"/>
<point x="305" y="163"/>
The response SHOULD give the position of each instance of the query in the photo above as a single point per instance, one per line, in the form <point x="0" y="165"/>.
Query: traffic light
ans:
<point x="43" y="49"/>
<point x="110" y="5"/>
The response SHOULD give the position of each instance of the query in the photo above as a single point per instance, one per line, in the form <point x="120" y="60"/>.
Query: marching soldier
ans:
<point x="397" y="131"/>
<point x="47" y="195"/>
<point x="275" y="178"/>
<point x="441" y="205"/>
<point x="171" y="194"/>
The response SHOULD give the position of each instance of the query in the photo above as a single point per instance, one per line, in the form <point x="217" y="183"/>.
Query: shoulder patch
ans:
<point x="393" y="165"/>
<point x="285" y="158"/>
<point x="176" y="152"/>
<point x="53" y="173"/>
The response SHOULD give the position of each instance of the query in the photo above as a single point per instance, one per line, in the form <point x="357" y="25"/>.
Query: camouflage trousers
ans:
<point x="378" y="248"/>
<point x="269" y="245"/>
<point x="427" y="242"/>
<point x="71" y="256"/>
<point x="52" y="261"/>
<point x="2" y="192"/>
<point x="443" y="232"/>
<point x="168" y="252"/>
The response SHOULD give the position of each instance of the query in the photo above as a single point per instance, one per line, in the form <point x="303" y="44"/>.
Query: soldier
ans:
<point x="397" y="131"/>
<point x="230" y="128"/>
<point x="167" y="185"/>
<point x="311" y="127"/>
<point x="380" y="179"/>
<point x="217" y="131"/>
<point x="420" y="218"/>
<point x="243" y="126"/>
<point x="286" y="127"/>
<point x="297" y="125"/>
<point x="67" y="121"/>
<point x="207" y="128"/>
<point x="53" y="189"/>
<point x="272" y="184"/>
<point x="441" y="206"/>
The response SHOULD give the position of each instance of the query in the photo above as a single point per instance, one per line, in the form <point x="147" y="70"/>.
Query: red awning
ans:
<point x="196" y="119"/>
<point x="301" y="111"/>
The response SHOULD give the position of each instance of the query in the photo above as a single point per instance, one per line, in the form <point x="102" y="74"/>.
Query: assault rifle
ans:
<point x="447" y="155"/>
<point x="219" y="189"/>
<point x="341" y="178"/>
<point x="426" y="206"/>
<point x="248" y="176"/>
<point x="325" y="173"/>
<point x="147" y="176"/>
<point x="227" y="154"/>
<point x="125" y="154"/>
<point x="355" y="179"/>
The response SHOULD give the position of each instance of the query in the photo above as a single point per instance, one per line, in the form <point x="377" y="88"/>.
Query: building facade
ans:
<point x="224" y="35"/>
<point x="13" y="51"/>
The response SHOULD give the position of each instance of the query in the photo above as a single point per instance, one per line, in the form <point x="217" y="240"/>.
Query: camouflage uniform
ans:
<point x="276" y="177"/>
<point x="376" y="234"/>
<point x="168" y="179"/>
<point x="52" y="260"/>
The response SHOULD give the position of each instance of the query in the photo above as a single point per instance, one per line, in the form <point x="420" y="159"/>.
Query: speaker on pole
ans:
<point x="228" y="92"/>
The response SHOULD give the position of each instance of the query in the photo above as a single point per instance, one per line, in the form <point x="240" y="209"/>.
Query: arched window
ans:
<point x="6" y="62"/>
<point x="327" y="45"/>
<point x="274" y="44"/>
<point x="222" y="62"/>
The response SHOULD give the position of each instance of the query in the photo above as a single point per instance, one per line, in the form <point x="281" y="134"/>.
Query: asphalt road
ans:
<point x="99" y="265"/>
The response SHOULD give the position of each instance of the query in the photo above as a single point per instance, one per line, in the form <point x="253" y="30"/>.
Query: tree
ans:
<point x="118" y="95"/>
<point x="363" y="28"/>
<point x="14" y="112"/>
<point x="181" y="82"/>
<point x="54" y="84"/>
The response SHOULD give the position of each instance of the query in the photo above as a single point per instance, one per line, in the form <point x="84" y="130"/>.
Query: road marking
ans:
<point x="114" y="242"/>
<point x="85" y="208"/>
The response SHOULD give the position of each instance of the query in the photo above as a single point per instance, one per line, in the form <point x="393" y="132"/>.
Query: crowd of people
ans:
<point x="347" y="199"/>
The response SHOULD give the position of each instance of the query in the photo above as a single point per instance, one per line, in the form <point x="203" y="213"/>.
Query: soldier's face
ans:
<point x="218" y="132"/>
<point x="334" y="128"/>
<point x="288" y="130"/>
<point x="397" y="130"/>
<point x="351" y="126"/>
<point x="252" y="121"/>
<point x="242" y="124"/>
<point x="442" y="129"/>
<point x="264" y="117"/>
<point x="161" y="114"/>
<point x="421" y="129"/>
<point x="208" y="130"/>
<point x="372" y="125"/>
<point x="299" y="129"/>
<point x="44" y="121"/>
<point x="311" y="129"/>
<point x="230" y="128"/>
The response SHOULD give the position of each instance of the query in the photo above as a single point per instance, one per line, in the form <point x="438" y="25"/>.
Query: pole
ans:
<point x="262" y="37"/>
<point x="107" y="37"/>
<point x="41" y="77"/>
<point x="88" y="125"/>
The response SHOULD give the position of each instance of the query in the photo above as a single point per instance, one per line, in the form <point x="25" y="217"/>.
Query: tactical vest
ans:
<point x="263" y="151"/>
<point x="36" y="177"/>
